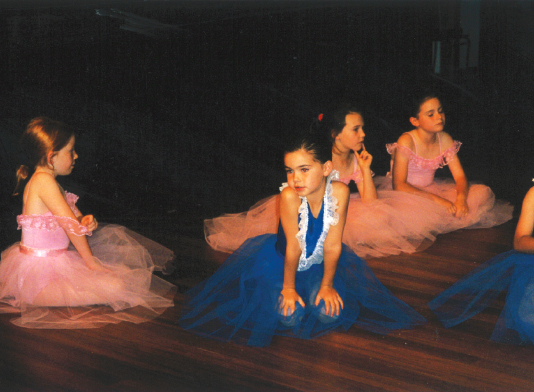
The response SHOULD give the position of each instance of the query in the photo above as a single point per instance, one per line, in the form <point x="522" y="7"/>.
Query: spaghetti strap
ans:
<point x="414" y="143"/>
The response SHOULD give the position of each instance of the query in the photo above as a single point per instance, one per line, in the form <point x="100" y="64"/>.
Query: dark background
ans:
<point x="179" y="106"/>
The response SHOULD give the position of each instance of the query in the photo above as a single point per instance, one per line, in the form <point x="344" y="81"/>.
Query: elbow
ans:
<point x="398" y="186"/>
<point x="523" y="244"/>
<point x="332" y="251"/>
<point x="518" y="244"/>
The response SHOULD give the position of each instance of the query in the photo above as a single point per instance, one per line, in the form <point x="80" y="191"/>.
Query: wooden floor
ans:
<point x="159" y="356"/>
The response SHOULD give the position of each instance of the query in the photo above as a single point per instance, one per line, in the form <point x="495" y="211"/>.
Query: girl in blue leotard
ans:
<point x="302" y="281"/>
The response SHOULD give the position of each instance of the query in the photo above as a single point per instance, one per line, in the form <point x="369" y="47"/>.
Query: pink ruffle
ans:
<point x="52" y="223"/>
<point x="356" y="175"/>
<point x="435" y="163"/>
<point x="60" y="291"/>
<point x="72" y="199"/>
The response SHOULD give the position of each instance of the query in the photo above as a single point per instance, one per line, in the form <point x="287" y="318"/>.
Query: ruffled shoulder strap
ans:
<point x="441" y="160"/>
<point x="451" y="152"/>
<point x="72" y="199"/>
<point x="51" y="223"/>
<point x="405" y="151"/>
<point x="330" y="218"/>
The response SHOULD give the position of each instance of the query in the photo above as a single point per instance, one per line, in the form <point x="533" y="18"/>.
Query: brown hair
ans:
<point x="42" y="136"/>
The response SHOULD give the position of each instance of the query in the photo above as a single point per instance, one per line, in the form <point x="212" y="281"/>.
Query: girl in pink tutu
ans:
<point x="378" y="223"/>
<point x="419" y="153"/>
<point x="65" y="273"/>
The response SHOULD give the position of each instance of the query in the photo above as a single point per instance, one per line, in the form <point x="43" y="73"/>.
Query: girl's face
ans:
<point x="352" y="135"/>
<point x="305" y="174"/>
<point x="63" y="160"/>
<point x="431" y="117"/>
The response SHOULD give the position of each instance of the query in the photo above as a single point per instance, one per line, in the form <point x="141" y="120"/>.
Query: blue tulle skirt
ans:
<point x="240" y="301"/>
<point x="511" y="271"/>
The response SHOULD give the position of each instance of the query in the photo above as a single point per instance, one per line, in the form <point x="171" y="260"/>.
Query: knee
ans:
<point x="323" y="317"/>
<point x="291" y="320"/>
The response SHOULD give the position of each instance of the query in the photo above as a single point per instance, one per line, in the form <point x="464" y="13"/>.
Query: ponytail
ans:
<point x="22" y="175"/>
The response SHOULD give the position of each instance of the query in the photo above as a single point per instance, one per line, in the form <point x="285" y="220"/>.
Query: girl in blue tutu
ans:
<point x="302" y="281"/>
<point x="512" y="271"/>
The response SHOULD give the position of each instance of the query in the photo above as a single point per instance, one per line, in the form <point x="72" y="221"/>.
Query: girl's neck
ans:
<point x="44" y="169"/>
<point x="426" y="138"/>
<point x="343" y="160"/>
<point x="315" y="201"/>
<point x="341" y="153"/>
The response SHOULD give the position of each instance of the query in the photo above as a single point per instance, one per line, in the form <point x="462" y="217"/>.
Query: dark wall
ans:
<point x="179" y="106"/>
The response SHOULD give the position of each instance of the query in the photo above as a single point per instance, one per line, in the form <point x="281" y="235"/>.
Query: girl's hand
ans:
<point x="461" y="208"/>
<point x="95" y="265"/>
<point x="451" y="207"/>
<point x="288" y="300"/>
<point x="364" y="158"/>
<point x="332" y="301"/>
<point x="90" y="222"/>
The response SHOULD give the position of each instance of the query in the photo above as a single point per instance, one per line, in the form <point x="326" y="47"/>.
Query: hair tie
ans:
<point x="320" y="117"/>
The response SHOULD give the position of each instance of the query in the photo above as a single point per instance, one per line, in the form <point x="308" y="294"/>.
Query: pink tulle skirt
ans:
<point x="59" y="291"/>
<point x="226" y="233"/>
<point x="395" y="222"/>
<point x="484" y="210"/>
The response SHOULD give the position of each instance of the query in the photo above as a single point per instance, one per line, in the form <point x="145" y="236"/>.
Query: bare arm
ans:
<point x="523" y="240"/>
<point x="289" y="206"/>
<point x="366" y="188"/>
<point x="332" y="249"/>
<point x="462" y="187"/>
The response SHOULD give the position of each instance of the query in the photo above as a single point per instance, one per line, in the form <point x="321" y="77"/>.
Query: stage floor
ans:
<point x="160" y="356"/>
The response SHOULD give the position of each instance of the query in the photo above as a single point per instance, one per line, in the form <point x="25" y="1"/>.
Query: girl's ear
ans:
<point x="327" y="168"/>
<point x="49" y="160"/>
<point x="414" y="121"/>
<point x="333" y="134"/>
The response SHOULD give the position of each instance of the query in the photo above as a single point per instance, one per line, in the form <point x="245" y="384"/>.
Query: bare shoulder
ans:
<point x="406" y="140"/>
<point x="43" y="181"/>
<point x="446" y="139"/>
<point x="528" y="201"/>
<point x="43" y="177"/>
<point x="340" y="190"/>
<point x="289" y="196"/>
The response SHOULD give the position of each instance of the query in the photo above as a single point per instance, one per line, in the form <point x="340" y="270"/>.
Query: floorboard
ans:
<point x="160" y="356"/>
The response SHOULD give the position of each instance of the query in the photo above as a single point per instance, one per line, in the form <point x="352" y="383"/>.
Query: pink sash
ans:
<point x="41" y="252"/>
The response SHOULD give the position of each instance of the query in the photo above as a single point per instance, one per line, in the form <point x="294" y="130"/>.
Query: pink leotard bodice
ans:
<point x="48" y="232"/>
<point x="421" y="170"/>
<point x="356" y="175"/>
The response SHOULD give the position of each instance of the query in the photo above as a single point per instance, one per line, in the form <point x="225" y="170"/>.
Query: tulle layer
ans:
<point x="511" y="271"/>
<point x="59" y="291"/>
<point x="396" y="222"/>
<point x="484" y="210"/>
<point x="240" y="301"/>
<point x="228" y="232"/>
<point x="393" y="223"/>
